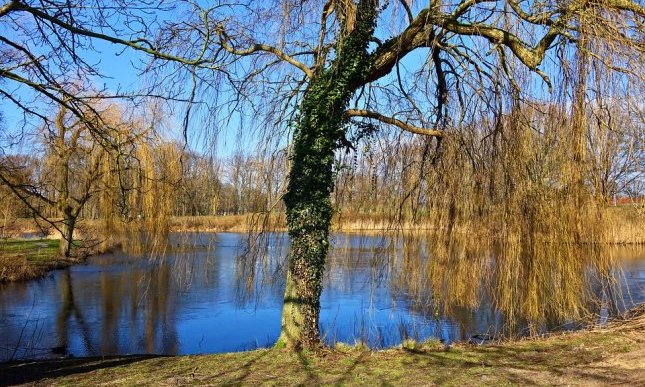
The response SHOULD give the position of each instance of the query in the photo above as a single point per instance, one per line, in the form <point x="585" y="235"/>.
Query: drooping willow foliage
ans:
<point x="137" y="207"/>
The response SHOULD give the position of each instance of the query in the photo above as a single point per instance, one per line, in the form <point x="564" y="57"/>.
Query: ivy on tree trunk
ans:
<point x="308" y="201"/>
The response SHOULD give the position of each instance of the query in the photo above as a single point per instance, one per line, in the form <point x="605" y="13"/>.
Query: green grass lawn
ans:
<point x="583" y="358"/>
<point x="22" y="259"/>
<point x="34" y="250"/>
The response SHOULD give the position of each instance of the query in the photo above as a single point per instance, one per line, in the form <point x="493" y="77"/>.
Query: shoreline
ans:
<point x="31" y="259"/>
<point x="594" y="356"/>
<point x="18" y="267"/>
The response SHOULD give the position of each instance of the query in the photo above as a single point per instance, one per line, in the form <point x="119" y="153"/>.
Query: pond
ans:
<point x="207" y="296"/>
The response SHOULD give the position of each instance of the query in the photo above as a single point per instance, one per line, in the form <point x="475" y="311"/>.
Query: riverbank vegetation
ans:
<point x="599" y="356"/>
<point x="28" y="259"/>
<point x="625" y="224"/>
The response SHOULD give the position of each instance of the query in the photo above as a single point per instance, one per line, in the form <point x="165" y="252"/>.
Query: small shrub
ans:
<point x="410" y="345"/>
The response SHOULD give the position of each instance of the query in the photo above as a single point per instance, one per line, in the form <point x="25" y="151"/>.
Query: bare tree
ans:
<point x="49" y="57"/>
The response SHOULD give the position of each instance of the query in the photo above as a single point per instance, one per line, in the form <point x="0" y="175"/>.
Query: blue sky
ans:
<point x="117" y="66"/>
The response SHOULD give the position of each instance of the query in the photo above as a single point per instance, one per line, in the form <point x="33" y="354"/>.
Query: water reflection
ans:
<point x="534" y="288"/>
<point x="201" y="297"/>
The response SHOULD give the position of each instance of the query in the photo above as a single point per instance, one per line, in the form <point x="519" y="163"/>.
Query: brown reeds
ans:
<point x="16" y="268"/>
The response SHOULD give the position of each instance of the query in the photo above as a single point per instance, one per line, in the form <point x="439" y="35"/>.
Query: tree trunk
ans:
<point x="308" y="197"/>
<point x="309" y="213"/>
<point x="69" y="222"/>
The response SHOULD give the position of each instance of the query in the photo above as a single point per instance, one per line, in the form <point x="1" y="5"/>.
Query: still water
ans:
<point x="205" y="297"/>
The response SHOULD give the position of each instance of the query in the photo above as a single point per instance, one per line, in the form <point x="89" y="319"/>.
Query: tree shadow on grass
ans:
<point x="555" y="363"/>
<point x="18" y="372"/>
<point x="245" y="368"/>
<point x="468" y="366"/>
<point x="519" y="365"/>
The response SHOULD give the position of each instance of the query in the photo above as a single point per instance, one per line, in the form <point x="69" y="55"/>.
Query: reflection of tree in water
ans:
<point x="159" y="313"/>
<point x="112" y="290"/>
<point x="357" y="261"/>
<point x="155" y="290"/>
<point x="465" y="285"/>
<point x="260" y="268"/>
<point x="143" y="294"/>
<point x="534" y="287"/>
<point x="68" y="310"/>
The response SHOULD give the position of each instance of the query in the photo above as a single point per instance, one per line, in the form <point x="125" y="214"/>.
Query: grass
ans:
<point x="28" y="259"/>
<point x="596" y="357"/>
<point x="35" y="250"/>
<point x="624" y="224"/>
<point x="211" y="223"/>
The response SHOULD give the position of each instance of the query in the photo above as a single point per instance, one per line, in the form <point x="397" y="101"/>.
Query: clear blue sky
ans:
<point x="119" y="68"/>
<point x="117" y="65"/>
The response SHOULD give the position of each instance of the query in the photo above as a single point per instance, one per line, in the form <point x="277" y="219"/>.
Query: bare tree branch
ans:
<point x="257" y="47"/>
<point x="16" y="6"/>
<point x="393" y="121"/>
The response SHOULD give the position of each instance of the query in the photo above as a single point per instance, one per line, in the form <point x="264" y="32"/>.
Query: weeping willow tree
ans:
<point x="319" y="126"/>
<point x="143" y="182"/>
<point x="529" y="290"/>
<point x="12" y="208"/>
<point x="436" y="70"/>
<point x="69" y="173"/>
<point x="326" y="71"/>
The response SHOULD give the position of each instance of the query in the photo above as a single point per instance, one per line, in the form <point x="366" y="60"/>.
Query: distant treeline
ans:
<point x="402" y="178"/>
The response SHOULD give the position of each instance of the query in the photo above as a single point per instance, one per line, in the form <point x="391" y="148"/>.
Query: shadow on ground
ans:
<point x="587" y="358"/>
<point x="19" y="372"/>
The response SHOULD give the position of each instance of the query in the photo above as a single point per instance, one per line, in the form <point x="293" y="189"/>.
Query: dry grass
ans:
<point x="277" y="222"/>
<point x="17" y="268"/>
<point x="229" y="223"/>
<point x="20" y="226"/>
<point x="233" y="223"/>
<point x="350" y="221"/>
<point x="625" y="224"/>
<point x="622" y="225"/>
